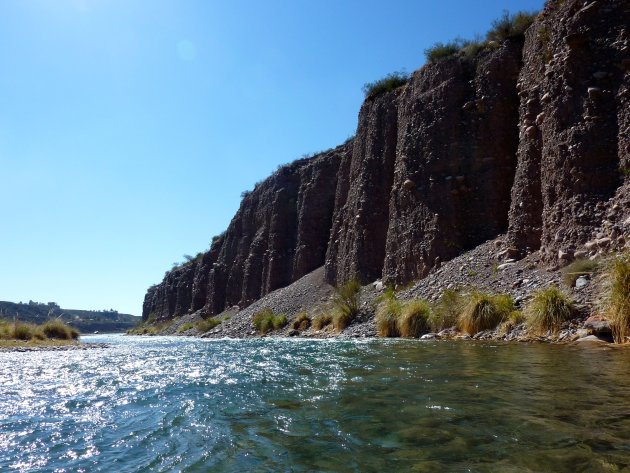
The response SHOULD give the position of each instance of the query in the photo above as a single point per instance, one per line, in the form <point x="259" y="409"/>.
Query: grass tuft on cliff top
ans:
<point x="547" y="310"/>
<point x="484" y="312"/>
<point x="388" y="83"/>
<point x="617" y="297"/>
<point x="510" y="25"/>
<point x="506" y="27"/>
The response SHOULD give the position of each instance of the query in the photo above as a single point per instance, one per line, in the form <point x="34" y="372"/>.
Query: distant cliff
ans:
<point x="529" y="136"/>
<point x="86" y="321"/>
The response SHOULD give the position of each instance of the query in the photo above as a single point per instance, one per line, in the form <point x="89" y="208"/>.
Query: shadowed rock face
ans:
<point x="455" y="160"/>
<point x="279" y="234"/>
<point x="528" y="137"/>
<point x="574" y="124"/>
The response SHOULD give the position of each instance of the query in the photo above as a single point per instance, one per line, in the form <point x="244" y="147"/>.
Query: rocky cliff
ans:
<point x="529" y="135"/>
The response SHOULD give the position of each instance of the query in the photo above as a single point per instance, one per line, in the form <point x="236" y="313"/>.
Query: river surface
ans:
<point x="161" y="404"/>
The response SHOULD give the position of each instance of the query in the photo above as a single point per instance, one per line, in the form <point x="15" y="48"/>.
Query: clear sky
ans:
<point x="129" y="128"/>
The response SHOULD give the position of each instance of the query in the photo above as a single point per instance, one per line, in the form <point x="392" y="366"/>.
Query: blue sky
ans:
<point x="129" y="128"/>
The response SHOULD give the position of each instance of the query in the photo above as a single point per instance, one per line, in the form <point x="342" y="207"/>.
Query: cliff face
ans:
<point x="574" y="125"/>
<point x="279" y="234"/>
<point x="529" y="136"/>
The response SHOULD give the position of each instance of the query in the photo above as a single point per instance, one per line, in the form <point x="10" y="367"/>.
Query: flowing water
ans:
<point x="277" y="405"/>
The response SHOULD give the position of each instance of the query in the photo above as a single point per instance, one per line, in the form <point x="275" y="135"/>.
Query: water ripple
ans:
<point x="170" y="404"/>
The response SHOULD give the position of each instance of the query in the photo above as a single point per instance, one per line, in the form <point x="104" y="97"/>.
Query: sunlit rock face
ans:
<point x="529" y="136"/>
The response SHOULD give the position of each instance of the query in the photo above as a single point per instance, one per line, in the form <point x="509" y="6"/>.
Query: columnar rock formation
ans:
<point x="529" y="136"/>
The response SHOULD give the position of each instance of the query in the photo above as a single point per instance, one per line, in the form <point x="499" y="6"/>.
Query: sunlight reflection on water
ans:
<point x="173" y="404"/>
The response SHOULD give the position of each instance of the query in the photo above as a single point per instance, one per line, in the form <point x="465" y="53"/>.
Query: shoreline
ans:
<point x="25" y="347"/>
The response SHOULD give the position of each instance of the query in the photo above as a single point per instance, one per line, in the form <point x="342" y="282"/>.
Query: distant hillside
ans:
<point x="86" y="321"/>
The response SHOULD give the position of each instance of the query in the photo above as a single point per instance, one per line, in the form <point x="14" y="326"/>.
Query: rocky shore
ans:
<point x="493" y="169"/>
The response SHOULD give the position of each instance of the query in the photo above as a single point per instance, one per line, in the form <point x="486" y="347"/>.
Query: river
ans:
<point x="162" y="404"/>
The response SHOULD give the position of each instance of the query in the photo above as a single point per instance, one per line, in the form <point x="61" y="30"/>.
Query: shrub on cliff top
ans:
<point x="386" y="84"/>
<point x="484" y="312"/>
<point x="547" y="310"/>
<point x="617" y="297"/>
<point x="510" y="26"/>
<point x="440" y="51"/>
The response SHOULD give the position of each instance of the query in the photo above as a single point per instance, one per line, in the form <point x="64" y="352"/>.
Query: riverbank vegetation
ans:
<point x="547" y="310"/>
<point x="51" y="332"/>
<point x="266" y="320"/>
<point x="346" y="304"/>
<point x="617" y="297"/>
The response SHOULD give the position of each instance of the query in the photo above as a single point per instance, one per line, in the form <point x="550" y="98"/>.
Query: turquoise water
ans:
<point x="173" y="404"/>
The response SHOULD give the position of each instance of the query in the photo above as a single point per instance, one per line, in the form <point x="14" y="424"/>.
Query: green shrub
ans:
<point x="341" y="320"/>
<point x="152" y="318"/>
<point x="510" y="26"/>
<point x="206" y="325"/>
<point x="301" y="322"/>
<point x="387" y="314"/>
<point x="484" y="312"/>
<point x="184" y="327"/>
<point x="547" y="310"/>
<point x="441" y="51"/>
<point x="445" y="313"/>
<point x="322" y="320"/>
<point x="57" y="329"/>
<point x="265" y="321"/>
<point x="580" y="267"/>
<point x="414" y="319"/>
<point x="617" y="297"/>
<point x="386" y="84"/>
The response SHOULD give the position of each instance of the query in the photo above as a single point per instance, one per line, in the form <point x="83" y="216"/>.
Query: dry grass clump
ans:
<point x="407" y="319"/>
<point x="484" y="311"/>
<point x="580" y="267"/>
<point x="206" y="325"/>
<point x="414" y="319"/>
<point x="446" y="312"/>
<point x="515" y="318"/>
<point x="23" y="331"/>
<point x="547" y="310"/>
<point x="301" y="322"/>
<point x="387" y="314"/>
<point x="322" y="320"/>
<point x="56" y="329"/>
<point x="266" y="321"/>
<point x="346" y="304"/>
<point x="617" y="297"/>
